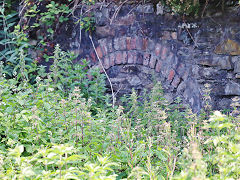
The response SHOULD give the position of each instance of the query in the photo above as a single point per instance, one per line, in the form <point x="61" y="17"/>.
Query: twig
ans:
<point x="113" y="96"/>
<point x="205" y="6"/>
<point x="80" y="33"/>
<point x="133" y="8"/>
<point x="190" y="34"/>
<point x="117" y="11"/>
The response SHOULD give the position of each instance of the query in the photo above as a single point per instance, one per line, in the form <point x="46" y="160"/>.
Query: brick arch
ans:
<point x="140" y="51"/>
<point x="153" y="54"/>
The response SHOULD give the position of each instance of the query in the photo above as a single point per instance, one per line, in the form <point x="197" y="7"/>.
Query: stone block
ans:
<point x="235" y="59"/>
<point x="208" y="62"/>
<point x="225" y="63"/>
<point x="105" y="31"/>
<point x="232" y="88"/>
<point x="228" y="47"/>
<point x="134" y="81"/>
<point x="125" y="20"/>
<point x="237" y="67"/>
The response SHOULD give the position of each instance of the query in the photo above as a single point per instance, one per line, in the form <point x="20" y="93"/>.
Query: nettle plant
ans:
<point x="15" y="46"/>
<point x="186" y="7"/>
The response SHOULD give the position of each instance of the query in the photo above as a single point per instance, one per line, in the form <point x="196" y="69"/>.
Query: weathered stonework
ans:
<point x="140" y="45"/>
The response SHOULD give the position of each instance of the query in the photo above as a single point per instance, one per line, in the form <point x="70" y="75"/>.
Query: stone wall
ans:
<point x="139" y="45"/>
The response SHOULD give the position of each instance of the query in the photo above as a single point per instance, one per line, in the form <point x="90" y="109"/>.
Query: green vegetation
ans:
<point x="61" y="125"/>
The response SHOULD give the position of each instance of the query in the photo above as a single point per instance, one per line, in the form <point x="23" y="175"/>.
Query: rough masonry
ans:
<point x="139" y="46"/>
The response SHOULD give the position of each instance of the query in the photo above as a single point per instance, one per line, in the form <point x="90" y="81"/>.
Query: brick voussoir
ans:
<point x="171" y="75"/>
<point x="106" y="62"/>
<point x="153" y="61"/>
<point x="125" y="57"/>
<point x="132" y="57"/>
<point x="120" y="43"/>
<point x="112" y="59"/>
<point x="99" y="52"/>
<point x="158" y="48"/>
<point x="118" y="57"/>
<point x="146" y="59"/>
<point x="158" y="66"/>
<point x="164" y="52"/>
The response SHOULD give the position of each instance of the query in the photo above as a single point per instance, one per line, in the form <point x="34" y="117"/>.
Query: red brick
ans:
<point x="132" y="57"/>
<point x="164" y="53"/>
<point x="128" y="43"/>
<point x="120" y="43"/>
<point x="118" y="58"/>
<point x="144" y="44"/>
<point x="151" y="45"/>
<point x="139" y="59"/>
<point x="176" y="81"/>
<point x="146" y="58"/>
<point x="124" y="57"/>
<point x="104" y="50"/>
<point x="103" y="45"/>
<point x="152" y="62"/>
<point x="99" y="52"/>
<point x="106" y="63"/>
<point x="158" y="66"/>
<point x="171" y="75"/>
<point x="110" y="46"/>
<point x="93" y="57"/>
<point x="139" y="43"/>
<point x="111" y="59"/>
<point x="158" y="49"/>
<point x="133" y="43"/>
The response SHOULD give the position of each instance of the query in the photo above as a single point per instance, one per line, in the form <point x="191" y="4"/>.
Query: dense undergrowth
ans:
<point x="63" y="127"/>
